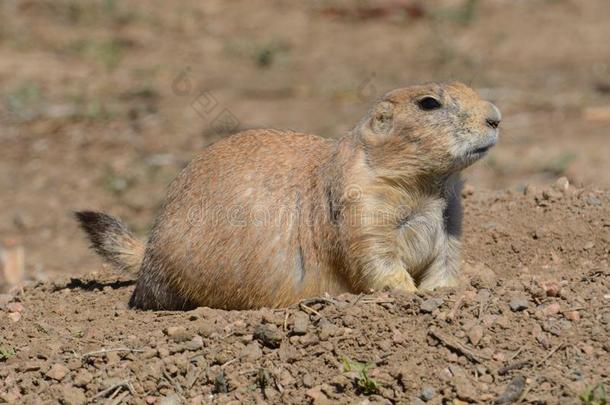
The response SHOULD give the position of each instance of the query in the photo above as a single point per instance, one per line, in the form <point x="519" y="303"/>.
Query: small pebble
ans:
<point x="171" y="399"/>
<point x="475" y="334"/>
<point x="177" y="333"/>
<point x="519" y="304"/>
<point x="512" y="391"/>
<point x="593" y="200"/>
<point x="551" y="309"/>
<point x="57" y="372"/>
<point x="573" y="316"/>
<point x="551" y="289"/>
<point x="562" y="183"/>
<point x="14" y="316"/>
<point x="428" y="393"/>
<point x="301" y="321"/>
<point x="195" y="343"/>
<point x="15" y="307"/>
<point x="429" y="305"/>
<point x="268" y="334"/>
<point x="499" y="356"/>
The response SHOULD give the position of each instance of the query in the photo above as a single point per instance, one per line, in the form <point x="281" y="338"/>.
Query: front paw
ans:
<point x="398" y="280"/>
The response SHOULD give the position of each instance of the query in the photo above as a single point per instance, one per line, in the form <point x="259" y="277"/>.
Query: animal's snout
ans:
<point x="494" y="117"/>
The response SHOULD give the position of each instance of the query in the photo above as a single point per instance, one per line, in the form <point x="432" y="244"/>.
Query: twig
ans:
<point x="112" y="388"/>
<point x="357" y="299"/>
<point x="456" y="307"/>
<point x="313" y="311"/>
<point x="121" y="349"/>
<point x="286" y="321"/>
<point x="228" y="362"/>
<point x="518" y="352"/>
<point x="528" y="388"/>
<point x="118" y="399"/>
<point x="377" y="301"/>
<point x="515" y="366"/>
<point x="317" y="300"/>
<point x="171" y="381"/>
<point x="114" y="394"/>
<point x="452" y="343"/>
<point x="548" y="356"/>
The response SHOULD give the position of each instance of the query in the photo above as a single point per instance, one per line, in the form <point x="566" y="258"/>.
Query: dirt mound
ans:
<point x="531" y="322"/>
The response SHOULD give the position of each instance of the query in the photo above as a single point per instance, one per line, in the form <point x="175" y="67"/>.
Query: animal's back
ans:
<point x="235" y="226"/>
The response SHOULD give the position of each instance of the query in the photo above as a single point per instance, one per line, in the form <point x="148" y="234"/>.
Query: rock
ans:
<point x="593" y="200"/>
<point x="171" y="399"/>
<point x="15" y="307"/>
<point x="398" y="337"/>
<point x="429" y="305"/>
<point x="4" y="300"/>
<point x="588" y="246"/>
<point x="551" y="289"/>
<point x="480" y="275"/>
<point x="327" y="329"/>
<point x="316" y="394"/>
<point x="464" y="388"/>
<point x="220" y="383"/>
<point x="195" y="343"/>
<point x="427" y="393"/>
<point x="587" y="349"/>
<point x="268" y="334"/>
<point x="57" y="372"/>
<point x="112" y="358"/>
<point x="512" y="392"/>
<point x="73" y="395"/>
<point x="573" y="316"/>
<point x="499" y="356"/>
<point x="197" y="400"/>
<point x="30" y="366"/>
<point x="82" y="378"/>
<point x="288" y="353"/>
<point x="178" y="333"/>
<point x="519" y="303"/>
<point x="74" y="364"/>
<point x="308" y="380"/>
<point x="551" y="309"/>
<point x="251" y="352"/>
<point x="301" y="322"/>
<point x="475" y="334"/>
<point x="14" y="316"/>
<point x="562" y="183"/>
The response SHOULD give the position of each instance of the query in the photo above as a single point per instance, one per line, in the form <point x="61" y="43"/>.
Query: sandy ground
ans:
<point x="103" y="102"/>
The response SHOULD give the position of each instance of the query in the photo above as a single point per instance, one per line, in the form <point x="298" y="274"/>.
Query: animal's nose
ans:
<point x="494" y="117"/>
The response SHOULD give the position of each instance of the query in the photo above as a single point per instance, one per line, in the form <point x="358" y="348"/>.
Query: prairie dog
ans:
<point x="265" y="218"/>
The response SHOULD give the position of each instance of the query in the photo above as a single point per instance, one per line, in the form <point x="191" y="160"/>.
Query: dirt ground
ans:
<point x="103" y="102"/>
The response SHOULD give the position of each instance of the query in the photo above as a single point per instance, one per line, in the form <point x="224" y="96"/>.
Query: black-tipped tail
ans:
<point x="111" y="239"/>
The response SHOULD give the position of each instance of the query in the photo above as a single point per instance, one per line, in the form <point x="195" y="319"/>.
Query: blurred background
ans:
<point x="102" y="102"/>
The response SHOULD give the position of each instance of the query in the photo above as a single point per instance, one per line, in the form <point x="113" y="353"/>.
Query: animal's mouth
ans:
<point x="482" y="150"/>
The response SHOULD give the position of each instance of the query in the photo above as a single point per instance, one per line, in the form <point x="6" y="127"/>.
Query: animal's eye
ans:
<point x="429" y="103"/>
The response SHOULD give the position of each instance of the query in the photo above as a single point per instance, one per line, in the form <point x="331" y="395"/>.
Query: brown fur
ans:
<point x="266" y="217"/>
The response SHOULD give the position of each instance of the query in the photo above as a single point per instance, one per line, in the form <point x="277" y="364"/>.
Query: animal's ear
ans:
<point x="382" y="118"/>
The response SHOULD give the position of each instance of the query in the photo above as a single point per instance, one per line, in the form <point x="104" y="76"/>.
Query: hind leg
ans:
<point x="152" y="292"/>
